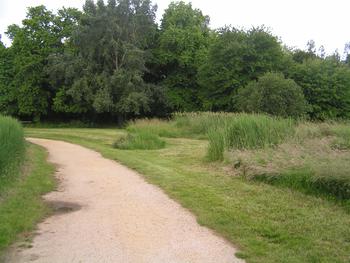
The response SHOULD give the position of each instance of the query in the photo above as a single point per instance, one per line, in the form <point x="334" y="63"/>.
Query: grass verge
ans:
<point x="11" y="151"/>
<point x="21" y="205"/>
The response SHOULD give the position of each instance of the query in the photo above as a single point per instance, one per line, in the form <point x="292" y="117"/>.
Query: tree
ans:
<point x="322" y="52"/>
<point x="326" y="86"/>
<point x="183" y="41"/>
<point x="347" y="54"/>
<point x="235" y="58"/>
<point x="103" y="69"/>
<point x="24" y="87"/>
<point x="311" y="46"/>
<point x="7" y="96"/>
<point x="31" y="45"/>
<point x="273" y="94"/>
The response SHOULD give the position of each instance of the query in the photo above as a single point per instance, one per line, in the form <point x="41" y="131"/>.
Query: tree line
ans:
<point x="112" y="61"/>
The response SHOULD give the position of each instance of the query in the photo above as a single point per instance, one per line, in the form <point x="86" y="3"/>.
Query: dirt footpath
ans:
<point x="106" y="212"/>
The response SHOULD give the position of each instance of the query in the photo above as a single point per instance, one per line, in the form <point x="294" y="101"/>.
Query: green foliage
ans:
<point x="235" y="58"/>
<point x="272" y="94"/>
<point x="326" y="86"/>
<point x="102" y="70"/>
<point x="24" y="84"/>
<point x="11" y="150"/>
<point x="113" y="62"/>
<point x="32" y="44"/>
<point x="183" y="41"/>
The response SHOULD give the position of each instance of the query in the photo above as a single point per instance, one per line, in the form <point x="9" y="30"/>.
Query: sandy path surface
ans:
<point x="108" y="213"/>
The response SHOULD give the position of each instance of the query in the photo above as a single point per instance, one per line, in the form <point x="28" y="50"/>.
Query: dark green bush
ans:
<point x="272" y="94"/>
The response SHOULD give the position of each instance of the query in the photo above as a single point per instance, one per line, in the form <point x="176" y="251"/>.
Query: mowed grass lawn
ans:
<point x="267" y="223"/>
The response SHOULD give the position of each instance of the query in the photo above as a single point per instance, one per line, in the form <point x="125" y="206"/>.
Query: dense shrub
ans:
<point x="11" y="149"/>
<point x="326" y="85"/>
<point x="272" y="94"/>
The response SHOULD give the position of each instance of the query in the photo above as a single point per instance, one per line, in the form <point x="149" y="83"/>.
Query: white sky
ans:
<point x="294" y="21"/>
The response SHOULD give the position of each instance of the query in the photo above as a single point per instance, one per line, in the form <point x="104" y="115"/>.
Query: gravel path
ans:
<point x="106" y="212"/>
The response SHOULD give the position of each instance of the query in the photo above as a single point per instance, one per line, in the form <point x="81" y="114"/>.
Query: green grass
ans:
<point x="223" y="130"/>
<point x="248" y="131"/>
<point x="198" y="124"/>
<point x="11" y="150"/>
<point x="21" y="206"/>
<point x="311" y="161"/>
<point x="324" y="172"/>
<point x="141" y="140"/>
<point x="328" y="180"/>
<point x="216" y="146"/>
<point x="158" y="127"/>
<point x="267" y="223"/>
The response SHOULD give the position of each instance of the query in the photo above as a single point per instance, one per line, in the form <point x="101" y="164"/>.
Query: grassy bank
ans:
<point x="21" y="206"/>
<point x="24" y="177"/>
<point x="267" y="223"/>
<point x="11" y="151"/>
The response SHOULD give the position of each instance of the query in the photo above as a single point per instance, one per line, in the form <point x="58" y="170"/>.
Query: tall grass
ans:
<point x="216" y="146"/>
<point x="223" y="130"/>
<point x="162" y="128"/>
<point x="323" y="178"/>
<point x="257" y="131"/>
<point x="247" y="131"/>
<point x="199" y="123"/>
<point x="11" y="149"/>
<point x="319" y="170"/>
<point x="141" y="140"/>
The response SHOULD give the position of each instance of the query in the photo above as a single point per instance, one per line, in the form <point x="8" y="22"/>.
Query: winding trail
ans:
<point x="108" y="213"/>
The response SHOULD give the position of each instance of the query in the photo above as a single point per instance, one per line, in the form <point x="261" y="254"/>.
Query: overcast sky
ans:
<point x="294" y="21"/>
